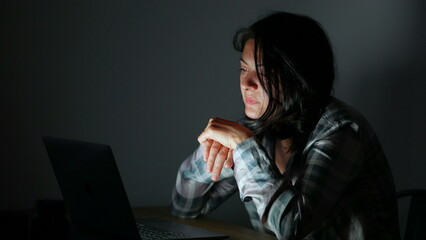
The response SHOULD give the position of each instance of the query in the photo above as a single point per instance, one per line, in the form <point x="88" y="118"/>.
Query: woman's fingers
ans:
<point x="206" y="149"/>
<point x="228" y="133"/>
<point x="219" y="139"/>
<point x="211" y="158"/>
<point x="218" y="162"/>
<point x="218" y="131"/>
<point x="216" y="158"/>
<point x="229" y="160"/>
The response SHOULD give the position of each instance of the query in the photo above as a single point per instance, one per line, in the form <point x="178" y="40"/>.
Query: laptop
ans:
<point x="96" y="200"/>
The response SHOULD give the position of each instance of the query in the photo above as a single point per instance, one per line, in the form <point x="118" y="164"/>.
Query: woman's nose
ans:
<point x="249" y="81"/>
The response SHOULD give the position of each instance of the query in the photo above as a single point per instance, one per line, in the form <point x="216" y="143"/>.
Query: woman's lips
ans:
<point x="251" y="101"/>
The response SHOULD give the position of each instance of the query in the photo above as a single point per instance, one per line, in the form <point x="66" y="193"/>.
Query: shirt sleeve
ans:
<point x="296" y="207"/>
<point x="195" y="193"/>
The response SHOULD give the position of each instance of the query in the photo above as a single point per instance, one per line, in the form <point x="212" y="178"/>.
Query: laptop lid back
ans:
<point x="91" y="187"/>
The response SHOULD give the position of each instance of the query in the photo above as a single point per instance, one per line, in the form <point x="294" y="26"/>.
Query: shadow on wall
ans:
<point x="392" y="95"/>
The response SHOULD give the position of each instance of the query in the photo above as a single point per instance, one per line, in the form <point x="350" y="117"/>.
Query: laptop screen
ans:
<point x="91" y="187"/>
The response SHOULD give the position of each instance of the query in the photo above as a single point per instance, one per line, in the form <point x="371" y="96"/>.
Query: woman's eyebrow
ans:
<point x="242" y="60"/>
<point x="258" y="65"/>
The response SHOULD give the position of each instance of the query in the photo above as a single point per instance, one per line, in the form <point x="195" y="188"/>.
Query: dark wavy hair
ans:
<point x="297" y="74"/>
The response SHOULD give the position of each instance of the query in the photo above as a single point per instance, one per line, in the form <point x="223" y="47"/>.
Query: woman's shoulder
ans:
<point x="336" y="115"/>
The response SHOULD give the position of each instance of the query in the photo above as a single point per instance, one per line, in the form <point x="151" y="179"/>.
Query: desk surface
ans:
<point x="234" y="231"/>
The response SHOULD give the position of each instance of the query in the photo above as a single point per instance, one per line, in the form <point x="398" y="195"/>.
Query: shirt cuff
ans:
<point x="252" y="174"/>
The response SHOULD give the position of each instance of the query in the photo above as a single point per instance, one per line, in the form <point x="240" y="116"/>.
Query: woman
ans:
<point x="306" y="165"/>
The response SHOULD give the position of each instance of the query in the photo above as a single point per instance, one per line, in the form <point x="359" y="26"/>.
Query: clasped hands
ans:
<point x="219" y="139"/>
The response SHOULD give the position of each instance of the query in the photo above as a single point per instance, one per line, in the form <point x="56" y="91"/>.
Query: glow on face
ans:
<point x="254" y="96"/>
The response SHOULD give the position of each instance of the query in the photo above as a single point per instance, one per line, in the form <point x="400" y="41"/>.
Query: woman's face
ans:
<point x="254" y="96"/>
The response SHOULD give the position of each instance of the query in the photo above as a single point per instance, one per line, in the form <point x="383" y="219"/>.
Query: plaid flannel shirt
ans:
<point x="341" y="187"/>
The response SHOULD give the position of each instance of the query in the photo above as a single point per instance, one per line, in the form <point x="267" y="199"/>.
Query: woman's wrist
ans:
<point x="241" y="139"/>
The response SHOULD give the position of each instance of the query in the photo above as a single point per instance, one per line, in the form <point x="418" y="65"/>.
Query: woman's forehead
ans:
<point x="247" y="55"/>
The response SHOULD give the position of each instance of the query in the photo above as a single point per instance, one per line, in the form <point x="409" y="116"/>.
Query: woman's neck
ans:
<point x="282" y="153"/>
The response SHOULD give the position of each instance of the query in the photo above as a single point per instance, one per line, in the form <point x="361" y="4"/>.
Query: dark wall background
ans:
<point x="145" y="77"/>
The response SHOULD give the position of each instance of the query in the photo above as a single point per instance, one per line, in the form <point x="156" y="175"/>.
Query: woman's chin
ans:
<point x="252" y="114"/>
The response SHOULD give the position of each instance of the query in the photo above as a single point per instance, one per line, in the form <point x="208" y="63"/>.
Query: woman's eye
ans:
<point x="243" y="69"/>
